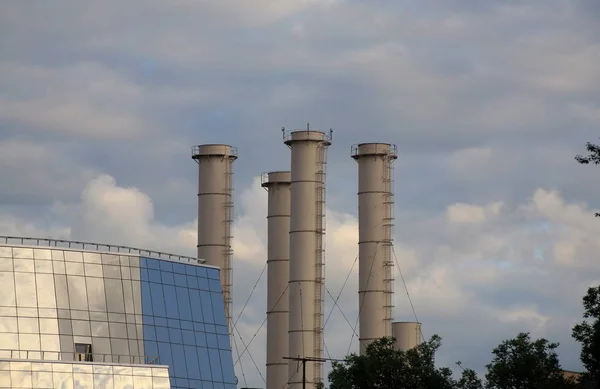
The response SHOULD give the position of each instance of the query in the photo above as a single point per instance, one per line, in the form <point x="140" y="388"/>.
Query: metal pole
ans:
<point x="304" y="373"/>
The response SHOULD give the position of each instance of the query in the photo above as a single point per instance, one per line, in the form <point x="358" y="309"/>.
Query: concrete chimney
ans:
<point x="278" y="184"/>
<point x="375" y="203"/>
<point x="307" y="229"/>
<point x="215" y="212"/>
<point x="407" y="333"/>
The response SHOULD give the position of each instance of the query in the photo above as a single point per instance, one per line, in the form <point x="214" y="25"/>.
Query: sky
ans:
<point x="487" y="102"/>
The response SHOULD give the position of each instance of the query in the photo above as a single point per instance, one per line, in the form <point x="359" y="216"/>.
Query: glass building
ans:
<point x="77" y="315"/>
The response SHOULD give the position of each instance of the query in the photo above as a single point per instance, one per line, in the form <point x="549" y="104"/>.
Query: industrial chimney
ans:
<point x="407" y="334"/>
<point x="215" y="212"/>
<point x="278" y="184"/>
<point x="375" y="203"/>
<point x="307" y="229"/>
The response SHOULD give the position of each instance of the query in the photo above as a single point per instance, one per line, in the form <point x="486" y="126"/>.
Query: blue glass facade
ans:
<point x="183" y="319"/>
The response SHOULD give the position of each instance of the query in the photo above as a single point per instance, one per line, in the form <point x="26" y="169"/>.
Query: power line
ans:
<point x="406" y="289"/>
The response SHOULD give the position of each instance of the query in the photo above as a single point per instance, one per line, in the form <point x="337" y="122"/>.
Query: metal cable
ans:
<point x="406" y="289"/>
<point x="259" y="328"/>
<point x="251" y="358"/>
<point x="237" y="350"/>
<point x="342" y="312"/>
<point x="341" y="290"/>
<point x="251" y="292"/>
<point x="362" y="301"/>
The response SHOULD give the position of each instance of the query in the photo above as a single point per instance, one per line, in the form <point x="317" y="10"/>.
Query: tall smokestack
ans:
<point x="278" y="184"/>
<point x="307" y="228"/>
<point x="407" y="334"/>
<point x="375" y="203"/>
<point x="215" y="211"/>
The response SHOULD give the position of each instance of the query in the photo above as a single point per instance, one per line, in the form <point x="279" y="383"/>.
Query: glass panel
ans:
<point x="42" y="254"/>
<point x="215" y="364"/>
<point x="45" y="291"/>
<point x="111" y="271"/>
<point x="171" y="301"/>
<point x="125" y="273"/>
<point x="74" y="268"/>
<point x="196" y="304"/>
<point x="28" y="325"/>
<point x="100" y="328"/>
<point x="62" y="295"/>
<point x="93" y="270"/>
<point x="5" y="252"/>
<point x="43" y="266"/>
<point x="211" y="340"/>
<point x="128" y="296"/>
<point x="24" y="265"/>
<point x="77" y="292"/>
<point x="42" y="379"/>
<point x="19" y="252"/>
<point x="214" y="285"/>
<point x="63" y="380"/>
<point x="59" y="268"/>
<point x="81" y="328"/>
<point x="95" y="292"/>
<point x="20" y="379"/>
<point x="118" y="330"/>
<point x="207" y="310"/>
<point x="227" y="366"/>
<point x="110" y="259"/>
<point x="92" y="258"/>
<point x="8" y="324"/>
<point x="158" y="302"/>
<point x="167" y="278"/>
<point x="114" y="295"/>
<point x="116" y="317"/>
<point x="6" y="264"/>
<point x="154" y="276"/>
<point x="58" y="255"/>
<point x="119" y="347"/>
<point x="179" y="362"/>
<point x="64" y="327"/>
<point x="29" y="342"/>
<point x="162" y="334"/>
<point x="80" y="315"/>
<point x="7" y="289"/>
<point x="218" y="308"/>
<point x="183" y="300"/>
<point x="137" y="297"/>
<point x="191" y="358"/>
<point x="25" y="287"/>
<point x="50" y="343"/>
<point x="48" y="326"/>
<point x="179" y="268"/>
<point x="204" y="363"/>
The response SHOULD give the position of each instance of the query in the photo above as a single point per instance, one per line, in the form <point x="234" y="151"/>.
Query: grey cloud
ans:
<point x="487" y="102"/>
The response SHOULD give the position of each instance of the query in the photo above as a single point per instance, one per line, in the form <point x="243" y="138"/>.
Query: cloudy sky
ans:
<point x="487" y="101"/>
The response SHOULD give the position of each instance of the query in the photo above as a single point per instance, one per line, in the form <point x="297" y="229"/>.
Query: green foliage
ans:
<point x="383" y="367"/>
<point x="469" y="380"/>
<point x="521" y="363"/>
<point x="588" y="334"/>
<point x="592" y="158"/>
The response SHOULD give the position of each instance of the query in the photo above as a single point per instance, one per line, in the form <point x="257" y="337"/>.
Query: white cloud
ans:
<point x="447" y="280"/>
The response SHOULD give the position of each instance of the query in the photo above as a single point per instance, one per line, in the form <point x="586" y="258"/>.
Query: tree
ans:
<point x="588" y="334"/>
<point x="469" y="380"/>
<point x="383" y="367"/>
<point x="593" y="157"/>
<point x="521" y="363"/>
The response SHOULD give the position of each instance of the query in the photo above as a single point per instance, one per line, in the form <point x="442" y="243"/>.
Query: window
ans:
<point x="83" y="352"/>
